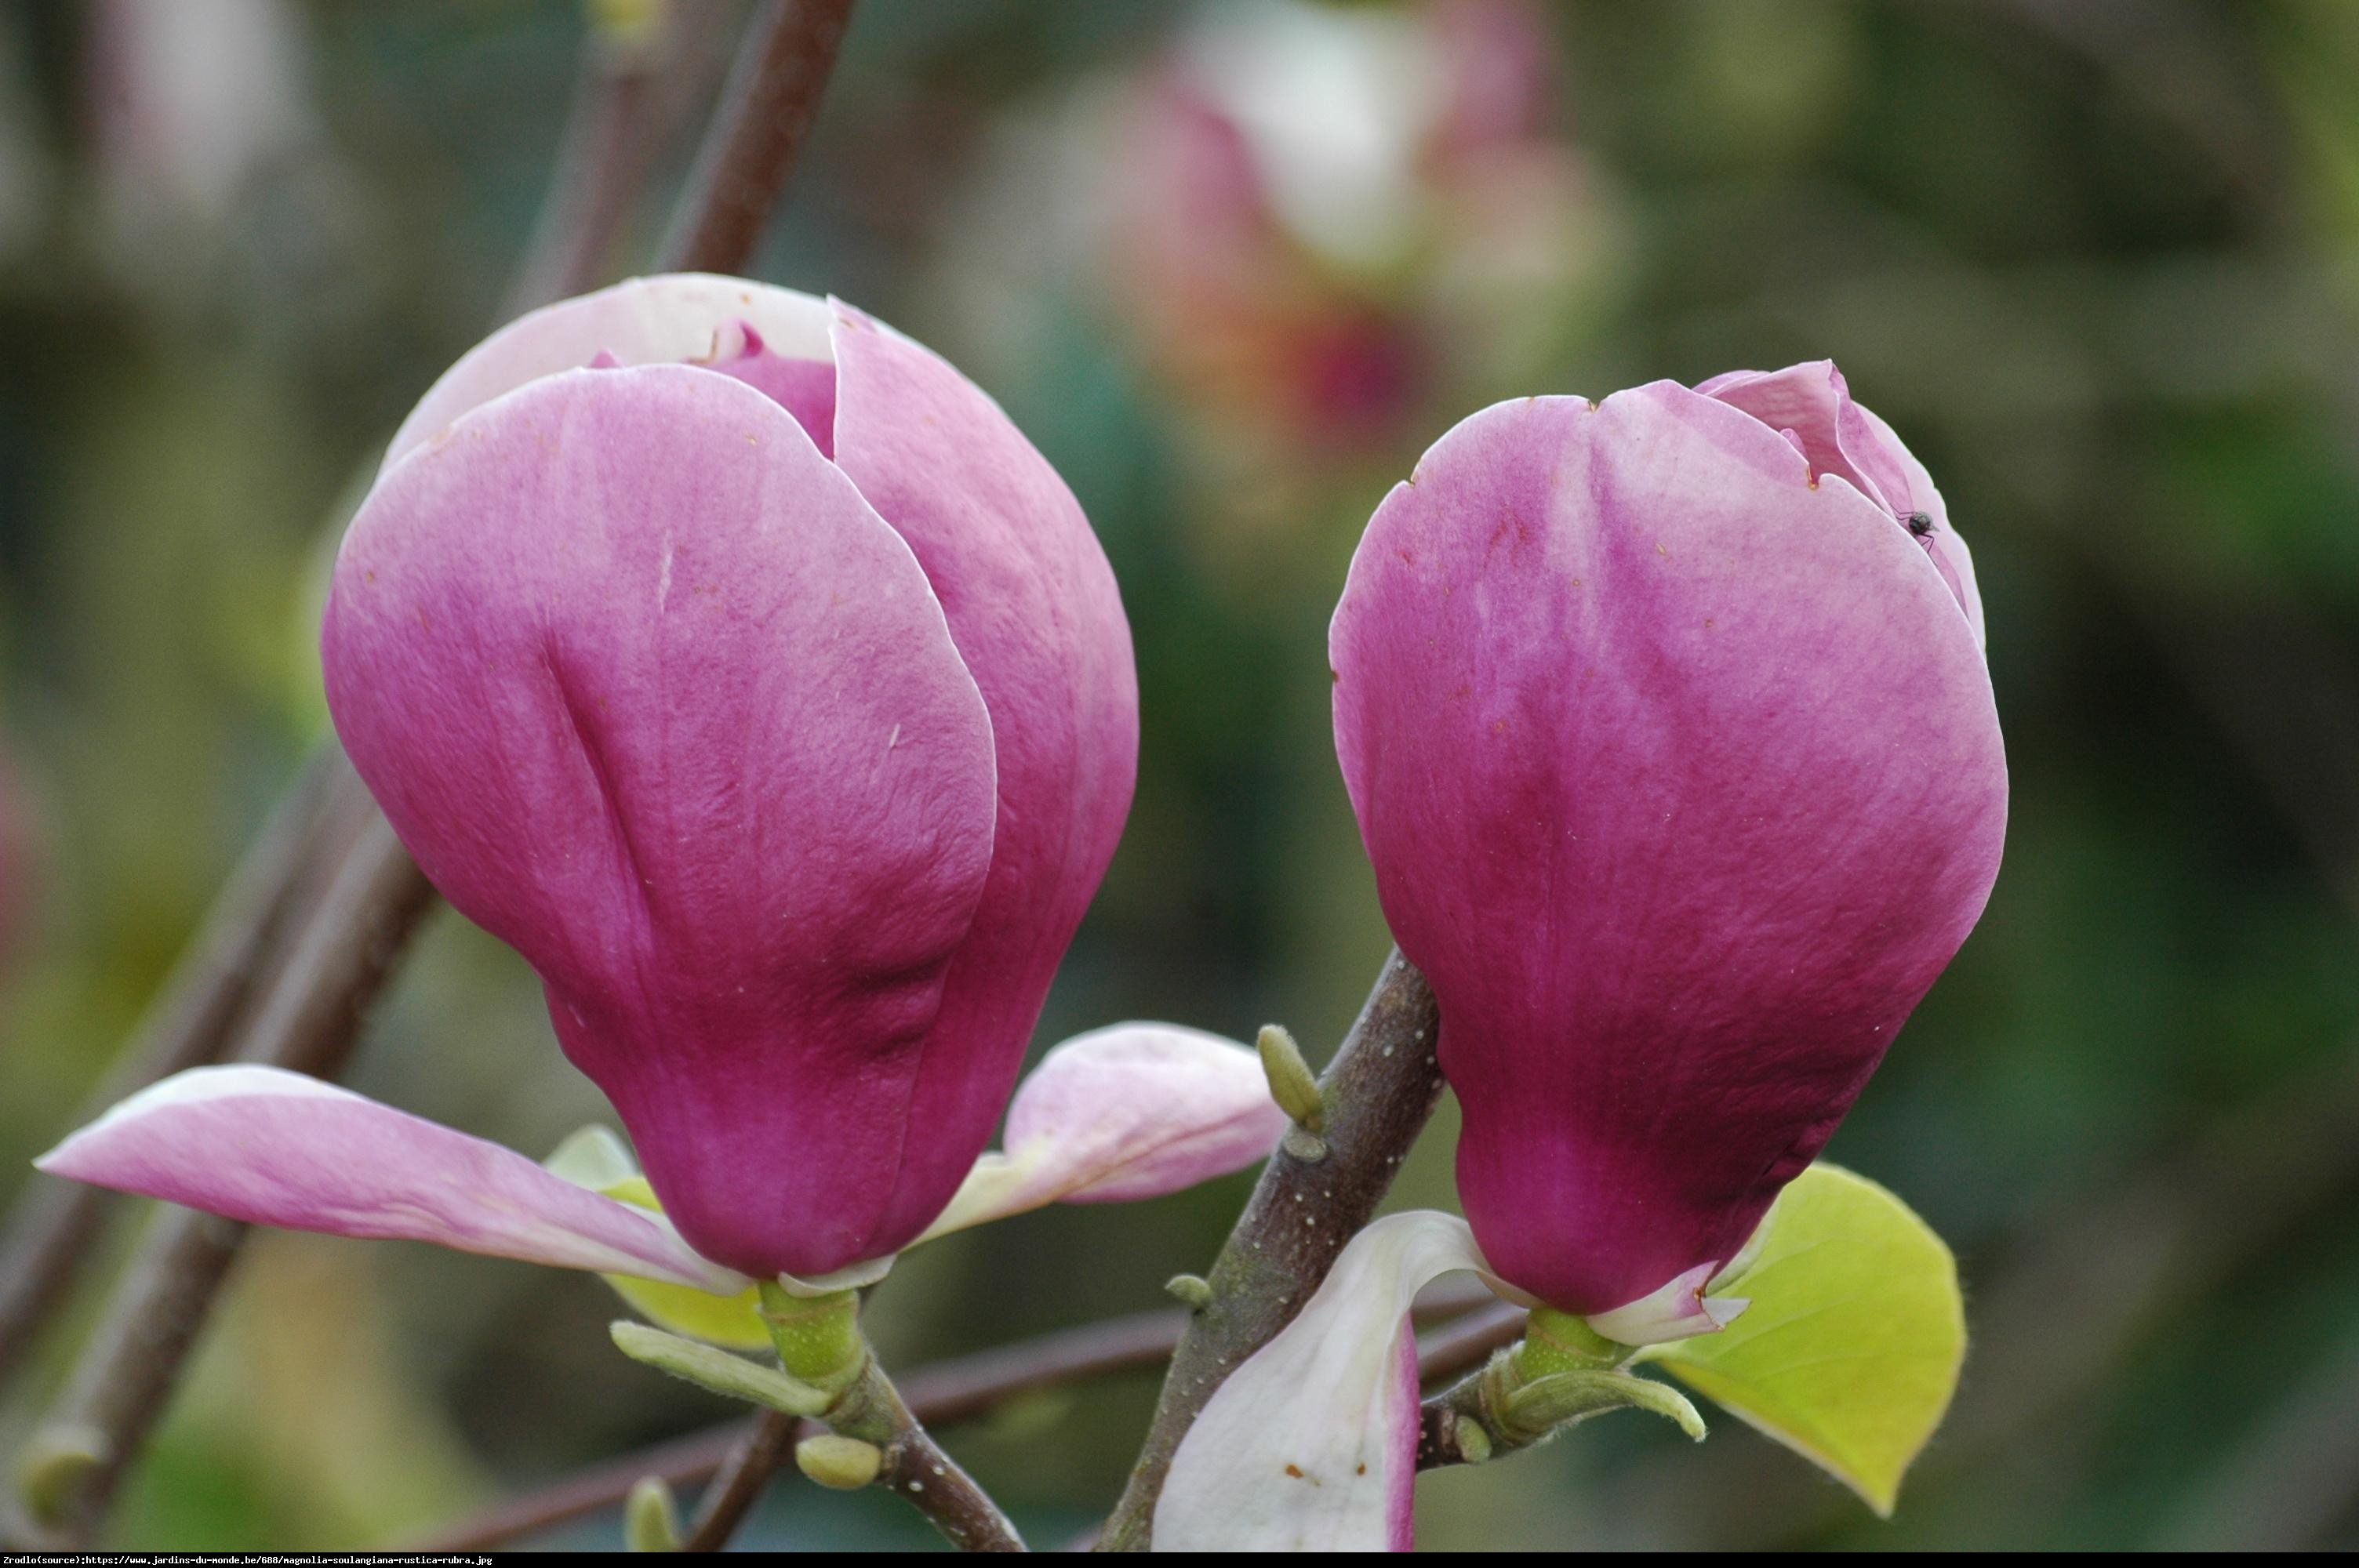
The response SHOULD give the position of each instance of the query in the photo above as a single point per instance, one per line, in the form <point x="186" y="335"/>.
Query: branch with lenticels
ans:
<point x="1320" y="1187"/>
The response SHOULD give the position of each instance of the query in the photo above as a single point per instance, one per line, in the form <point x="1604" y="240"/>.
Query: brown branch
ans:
<point x="944" y="1394"/>
<point x="603" y="155"/>
<point x="1377" y="1093"/>
<point x="756" y="136"/>
<point x="916" y="1470"/>
<point x="1453" y="1427"/>
<point x="1469" y="1339"/>
<point x="52" y="1228"/>
<point x="738" y="1486"/>
<point x="941" y="1393"/>
<point x="307" y="1024"/>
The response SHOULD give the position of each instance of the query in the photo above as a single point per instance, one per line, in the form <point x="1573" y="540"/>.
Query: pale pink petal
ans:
<point x="674" y="318"/>
<point x="271" y="1147"/>
<point x="1131" y="1111"/>
<point x="1678" y="1311"/>
<point x="1310" y="1445"/>
<point x="1811" y="404"/>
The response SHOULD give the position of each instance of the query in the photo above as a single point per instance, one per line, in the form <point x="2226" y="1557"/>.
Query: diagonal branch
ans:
<point x="624" y="101"/>
<point x="1377" y="1094"/>
<point x="757" y="134"/>
<point x="943" y="1393"/>
<point x="915" y="1468"/>
<point x="741" y="1481"/>
<point x="307" y="1024"/>
<point x="51" y="1230"/>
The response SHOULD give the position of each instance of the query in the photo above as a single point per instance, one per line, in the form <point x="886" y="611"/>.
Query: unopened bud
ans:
<point x="1291" y="1084"/>
<point x="55" y="1463"/>
<point x="1193" y="1289"/>
<point x="650" y="1518"/>
<point x="846" y="1464"/>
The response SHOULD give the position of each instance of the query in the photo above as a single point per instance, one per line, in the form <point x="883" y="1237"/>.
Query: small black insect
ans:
<point x="1919" y="523"/>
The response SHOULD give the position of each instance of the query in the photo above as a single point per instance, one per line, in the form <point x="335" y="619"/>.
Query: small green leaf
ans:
<point x="1560" y="1398"/>
<point x="650" y="1517"/>
<point x="717" y="1372"/>
<point x="731" y="1322"/>
<point x="595" y="1157"/>
<point x="1850" y="1349"/>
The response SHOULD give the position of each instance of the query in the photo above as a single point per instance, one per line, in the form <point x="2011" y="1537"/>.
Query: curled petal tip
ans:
<point x="1680" y="1310"/>
<point x="853" y="1277"/>
<point x="1724" y="1310"/>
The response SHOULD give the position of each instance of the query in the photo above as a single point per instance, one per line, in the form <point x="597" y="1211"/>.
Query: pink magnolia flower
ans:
<point x="737" y="661"/>
<point x="765" y="689"/>
<point x="1670" y="734"/>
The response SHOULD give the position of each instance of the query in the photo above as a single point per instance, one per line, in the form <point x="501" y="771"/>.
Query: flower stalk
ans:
<point x="1560" y="1374"/>
<point x="827" y="1373"/>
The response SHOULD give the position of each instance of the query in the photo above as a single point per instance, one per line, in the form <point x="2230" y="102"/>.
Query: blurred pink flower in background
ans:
<point x="1320" y="232"/>
<point x="209" y="145"/>
<point x="1320" y="220"/>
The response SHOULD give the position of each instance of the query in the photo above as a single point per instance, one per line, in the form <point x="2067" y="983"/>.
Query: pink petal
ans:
<point x="1310" y="1445"/>
<point x="1680" y="1310"/>
<point x="1812" y="404"/>
<point x="1132" y="1111"/>
<point x="1033" y="609"/>
<point x="676" y="318"/>
<point x="804" y="388"/>
<point x="271" y="1147"/>
<point x="654" y="696"/>
<point x="1682" y="781"/>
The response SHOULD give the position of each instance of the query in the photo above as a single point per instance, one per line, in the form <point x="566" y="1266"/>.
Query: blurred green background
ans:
<point x="1232" y="267"/>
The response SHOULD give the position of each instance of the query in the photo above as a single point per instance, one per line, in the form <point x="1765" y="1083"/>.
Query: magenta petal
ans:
<point x="1131" y="1111"/>
<point x="653" y="695"/>
<point x="804" y="388"/>
<point x="1033" y="608"/>
<point x="1310" y="1445"/>
<point x="1682" y="781"/>
<point x="271" y="1147"/>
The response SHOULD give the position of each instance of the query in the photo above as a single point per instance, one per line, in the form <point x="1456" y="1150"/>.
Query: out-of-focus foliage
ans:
<point x="2098" y="263"/>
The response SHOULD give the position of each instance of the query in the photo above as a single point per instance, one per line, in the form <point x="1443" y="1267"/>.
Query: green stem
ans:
<point x="818" y="1337"/>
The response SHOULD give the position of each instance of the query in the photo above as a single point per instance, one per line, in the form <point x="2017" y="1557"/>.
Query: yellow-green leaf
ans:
<point x="595" y="1157"/>
<point x="1850" y="1349"/>
<point x="733" y="1323"/>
